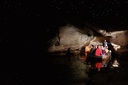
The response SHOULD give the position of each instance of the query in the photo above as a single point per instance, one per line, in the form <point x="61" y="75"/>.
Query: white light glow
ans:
<point x="116" y="47"/>
<point x="115" y="64"/>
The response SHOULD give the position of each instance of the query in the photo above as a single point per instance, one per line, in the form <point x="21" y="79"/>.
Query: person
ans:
<point x="68" y="53"/>
<point x="96" y="47"/>
<point x="102" y="50"/>
<point x="98" y="52"/>
<point x="92" y="49"/>
<point x="87" y="50"/>
<point x="106" y="49"/>
<point x="105" y="43"/>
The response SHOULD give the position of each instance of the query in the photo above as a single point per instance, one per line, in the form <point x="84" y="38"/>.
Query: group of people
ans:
<point x="99" y="50"/>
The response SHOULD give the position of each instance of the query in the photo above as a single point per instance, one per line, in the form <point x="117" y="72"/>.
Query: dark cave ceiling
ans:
<point x="104" y="13"/>
<point x="20" y="17"/>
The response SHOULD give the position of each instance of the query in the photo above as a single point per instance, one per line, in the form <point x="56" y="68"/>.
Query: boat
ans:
<point x="102" y="59"/>
<point x="92" y="59"/>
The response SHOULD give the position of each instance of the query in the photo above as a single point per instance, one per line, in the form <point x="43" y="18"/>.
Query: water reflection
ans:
<point x="115" y="63"/>
<point x="69" y="70"/>
<point x="72" y="69"/>
<point x="68" y="54"/>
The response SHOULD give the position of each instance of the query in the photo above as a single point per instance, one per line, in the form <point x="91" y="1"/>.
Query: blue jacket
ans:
<point x="105" y="44"/>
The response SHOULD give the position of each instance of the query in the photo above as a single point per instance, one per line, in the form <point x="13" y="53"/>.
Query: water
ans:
<point x="67" y="71"/>
<point x="63" y="70"/>
<point x="75" y="71"/>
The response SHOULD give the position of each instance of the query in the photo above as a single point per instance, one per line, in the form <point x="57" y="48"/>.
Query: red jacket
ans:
<point x="98" y="52"/>
<point x="104" y="51"/>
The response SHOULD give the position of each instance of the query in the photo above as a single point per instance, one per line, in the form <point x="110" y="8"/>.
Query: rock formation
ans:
<point x="75" y="38"/>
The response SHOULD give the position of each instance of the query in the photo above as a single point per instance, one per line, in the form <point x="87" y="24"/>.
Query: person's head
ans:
<point x="105" y="40"/>
<point x="99" y="46"/>
<point x="102" y="47"/>
<point x="92" y="46"/>
<point x="106" y="47"/>
<point x="95" y="46"/>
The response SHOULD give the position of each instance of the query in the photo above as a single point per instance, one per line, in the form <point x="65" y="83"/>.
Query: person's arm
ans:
<point x="108" y="43"/>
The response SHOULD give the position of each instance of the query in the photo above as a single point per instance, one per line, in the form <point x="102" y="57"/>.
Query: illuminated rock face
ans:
<point x="70" y="37"/>
<point x="117" y="37"/>
<point x="116" y="47"/>
<point x="120" y="38"/>
<point x="74" y="38"/>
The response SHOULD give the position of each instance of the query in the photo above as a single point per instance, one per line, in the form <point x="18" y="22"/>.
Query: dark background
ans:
<point x="25" y="21"/>
<point x="27" y="25"/>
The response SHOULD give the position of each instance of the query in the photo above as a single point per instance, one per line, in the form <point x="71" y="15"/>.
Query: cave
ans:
<point x="70" y="53"/>
<point x="44" y="42"/>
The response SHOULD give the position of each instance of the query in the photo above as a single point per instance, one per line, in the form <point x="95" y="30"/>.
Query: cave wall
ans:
<point x="116" y="37"/>
<point x="120" y="38"/>
<point x="69" y="37"/>
<point x="73" y="37"/>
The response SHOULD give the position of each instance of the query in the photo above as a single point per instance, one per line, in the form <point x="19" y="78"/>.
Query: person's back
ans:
<point x="92" y="49"/>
